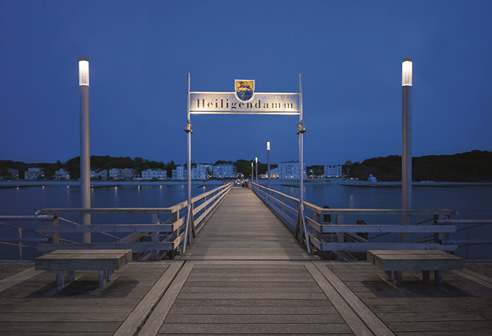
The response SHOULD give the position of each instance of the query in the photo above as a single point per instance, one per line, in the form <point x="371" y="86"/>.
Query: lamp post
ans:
<point x="406" y="158"/>
<point x="256" y="160"/>
<point x="85" y="165"/>
<point x="268" y="161"/>
<point x="252" y="172"/>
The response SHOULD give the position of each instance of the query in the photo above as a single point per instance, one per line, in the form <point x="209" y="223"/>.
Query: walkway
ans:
<point x="243" y="228"/>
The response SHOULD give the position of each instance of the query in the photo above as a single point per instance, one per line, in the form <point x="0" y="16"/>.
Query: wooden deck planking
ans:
<point x="73" y="311"/>
<point x="243" y="228"/>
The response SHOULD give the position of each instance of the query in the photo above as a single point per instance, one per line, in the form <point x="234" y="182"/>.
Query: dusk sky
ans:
<point x="140" y="52"/>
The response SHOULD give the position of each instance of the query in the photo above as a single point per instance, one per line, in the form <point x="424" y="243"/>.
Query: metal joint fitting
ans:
<point x="300" y="127"/>
<point x="188" y="127"/>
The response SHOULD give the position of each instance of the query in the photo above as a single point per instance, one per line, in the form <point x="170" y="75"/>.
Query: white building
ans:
<point x="201" y="172"/>
<point x="290" y="170"/>
<point x="34" y="173"/>
<point x="225" y="171"/>
<point x="150" y="174"/>
<point x="99" y="173"/>
<point x="274" y="173"/>
<point x="114" y="173"/>
<point x="128" y="173"/>
<point x="334" y="170"/>
<point x="62" y="174"/>
<point x="180" y="173"/>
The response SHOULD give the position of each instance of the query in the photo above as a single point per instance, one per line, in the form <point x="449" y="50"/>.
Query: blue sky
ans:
<point x="349" y="54"/>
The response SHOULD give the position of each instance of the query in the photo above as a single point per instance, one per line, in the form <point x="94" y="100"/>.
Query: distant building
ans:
<point x="274" y="173"/>
<point x="201" y="171"/>
<point x="180" y="173"/>
<point x="12" y="173"/>
<point x="114" y="173"/>
<point x="225" y="171"/>
<point x="150" y="174"/>
<point x="334" y="170"/>
<point x="128" y="173"/>
<point x="34" y="174"/>
<point x="99" y="173"/>
<point x="62" y="174"/>
<point x="290" y="170"/>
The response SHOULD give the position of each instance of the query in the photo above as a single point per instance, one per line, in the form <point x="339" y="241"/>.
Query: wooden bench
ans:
<point x="104" y="261"/>
<point x="396" y="261"/>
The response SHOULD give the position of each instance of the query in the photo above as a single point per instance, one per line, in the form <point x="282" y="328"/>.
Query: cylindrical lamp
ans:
<point x="85" y="170"/>
<point x="406" y="158"/>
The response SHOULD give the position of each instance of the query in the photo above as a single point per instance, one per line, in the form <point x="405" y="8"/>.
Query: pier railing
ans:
<point x="162" y="234"/>
<point x="329" y="231"/>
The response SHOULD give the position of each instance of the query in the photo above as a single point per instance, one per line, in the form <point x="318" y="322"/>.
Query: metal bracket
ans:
<point x="300" y="127"/>
<point x="188" y="127"/>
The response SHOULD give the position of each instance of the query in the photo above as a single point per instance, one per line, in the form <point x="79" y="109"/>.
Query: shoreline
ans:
<point x="282" y="182"/>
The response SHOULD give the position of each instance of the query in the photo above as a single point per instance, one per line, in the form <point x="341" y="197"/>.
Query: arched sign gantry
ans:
<point x="244" y="100"/>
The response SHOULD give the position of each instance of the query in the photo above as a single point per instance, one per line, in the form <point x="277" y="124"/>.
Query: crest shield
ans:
<point x="245" y="89"/>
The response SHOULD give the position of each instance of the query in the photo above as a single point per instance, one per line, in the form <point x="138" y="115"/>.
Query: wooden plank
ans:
<point x="135" y="320"/>
<point x="18" y="278"/>
<point x="352" y="320"/>
<point x="138" y="246"/>
<point x="128" y="253"/>
<point x="254" y="310"/>
<point x="286" y="328"/>
<point x="154" y="322"/>
<point x="251" y="318"/>
<point x="369" y="318"/>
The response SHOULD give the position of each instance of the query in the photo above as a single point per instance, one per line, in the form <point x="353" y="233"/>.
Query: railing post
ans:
<point x="155" y="238"/>
<point x="340" y="237"/>
<point x="56" y="235"/>
<point x="20" y="243"/>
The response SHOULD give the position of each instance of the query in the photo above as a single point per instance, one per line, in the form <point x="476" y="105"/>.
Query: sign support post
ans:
<point x="301" y="230"/>
<point x="190" y="222"/>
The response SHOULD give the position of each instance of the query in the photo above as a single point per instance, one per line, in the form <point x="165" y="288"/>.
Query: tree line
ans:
<point x="474" y="166"/>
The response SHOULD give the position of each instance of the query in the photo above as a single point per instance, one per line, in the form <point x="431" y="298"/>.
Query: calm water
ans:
<point x="472" y="202"/>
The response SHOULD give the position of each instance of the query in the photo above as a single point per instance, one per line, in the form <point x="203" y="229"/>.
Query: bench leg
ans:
<point x="438" y="278"/>
<point x="397" y="275"/>
<point x="60" y="279"/>
<point x="426" y="276"/>
<point x="389" y="275"/>
<point x="71" y="276"/>
<point x="110" y="275"/>
<point x="102" y="279"/>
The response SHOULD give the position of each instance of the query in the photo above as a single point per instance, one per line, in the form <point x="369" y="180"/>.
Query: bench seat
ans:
<point x="397" y="261"/>
<point x="104" y="261"/>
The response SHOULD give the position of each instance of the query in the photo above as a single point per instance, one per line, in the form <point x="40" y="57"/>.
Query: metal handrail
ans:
<point x="167" y="235"/>
<point x="344" y="238"/>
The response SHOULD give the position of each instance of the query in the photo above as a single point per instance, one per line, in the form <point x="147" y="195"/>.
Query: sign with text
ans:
<point x="228" y="103"/>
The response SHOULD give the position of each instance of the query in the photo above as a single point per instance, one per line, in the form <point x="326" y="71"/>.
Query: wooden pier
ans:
<point x="246" y="274"/>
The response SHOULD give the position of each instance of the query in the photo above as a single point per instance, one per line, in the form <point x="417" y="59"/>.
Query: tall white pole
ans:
<point x="252" y="176"/>
<point x="301" y="225"/>
<point x="189" y="225"/>
<point x="268" y="162"/>
<point x="85" y="164"/>
<point x="406" y="160"/>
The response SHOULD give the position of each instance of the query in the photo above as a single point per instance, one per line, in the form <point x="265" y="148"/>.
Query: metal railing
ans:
<point x="164" y="233"/>
<point x="328" y="231"/>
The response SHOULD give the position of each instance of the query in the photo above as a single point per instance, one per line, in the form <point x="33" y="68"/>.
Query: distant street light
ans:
<point x="268" y="161"/>
<point x="406" y="159"/>
<point x="85" y="170"/>
<point x="252" y="176"/>
<point x="256" y="159"/>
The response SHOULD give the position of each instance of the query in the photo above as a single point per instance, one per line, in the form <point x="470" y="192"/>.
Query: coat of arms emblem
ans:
<point x="245" y="89"/>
